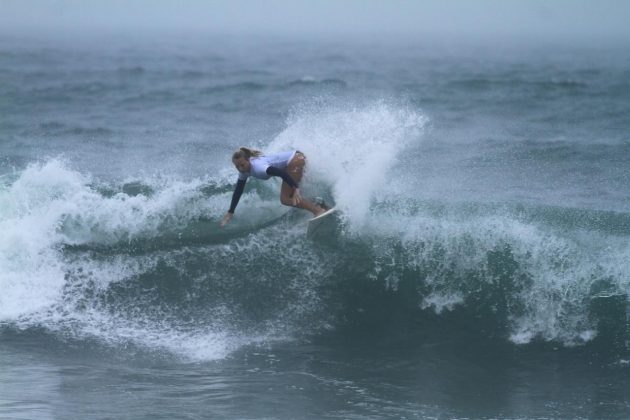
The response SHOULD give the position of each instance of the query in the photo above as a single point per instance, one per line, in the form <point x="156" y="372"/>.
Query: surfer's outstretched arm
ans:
<point x="236" y="196"/>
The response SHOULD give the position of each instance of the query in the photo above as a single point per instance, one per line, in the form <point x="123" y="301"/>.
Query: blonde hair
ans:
<point x="246" y="153"/>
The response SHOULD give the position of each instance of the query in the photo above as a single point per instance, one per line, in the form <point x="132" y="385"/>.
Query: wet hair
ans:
<point x="246" y="153"/>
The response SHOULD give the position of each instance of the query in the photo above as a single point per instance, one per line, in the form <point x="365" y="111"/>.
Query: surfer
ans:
<point x="287" y="165"/>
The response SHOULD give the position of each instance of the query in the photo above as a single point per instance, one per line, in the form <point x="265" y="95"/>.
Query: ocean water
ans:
<point x="480" y="268"/>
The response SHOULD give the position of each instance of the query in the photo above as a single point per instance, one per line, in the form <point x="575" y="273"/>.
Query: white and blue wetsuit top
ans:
<point x="264" y="167"/>
<point x="260" y="164"/>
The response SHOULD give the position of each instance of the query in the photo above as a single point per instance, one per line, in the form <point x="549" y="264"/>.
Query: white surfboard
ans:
<point x="322" y="225"/>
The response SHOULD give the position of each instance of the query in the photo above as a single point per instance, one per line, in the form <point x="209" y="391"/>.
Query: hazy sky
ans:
<point x="528" y="18"/>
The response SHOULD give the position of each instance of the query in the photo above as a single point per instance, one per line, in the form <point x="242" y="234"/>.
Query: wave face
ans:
<point x="142" y="263"/>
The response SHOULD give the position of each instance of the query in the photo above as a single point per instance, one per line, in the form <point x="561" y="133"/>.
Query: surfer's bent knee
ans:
<point x="295" y="168"/>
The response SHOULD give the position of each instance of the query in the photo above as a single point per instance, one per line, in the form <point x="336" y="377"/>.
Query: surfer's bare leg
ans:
<point x="296" y="171"/>
<point x="286" y="198"/>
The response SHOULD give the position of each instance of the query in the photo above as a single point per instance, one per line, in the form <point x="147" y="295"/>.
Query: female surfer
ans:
<point x="287" y="165"/>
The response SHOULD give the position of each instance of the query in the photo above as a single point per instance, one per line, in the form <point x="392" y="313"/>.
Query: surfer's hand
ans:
<point x="226" y="219"/>
<point x="297" y="198"/>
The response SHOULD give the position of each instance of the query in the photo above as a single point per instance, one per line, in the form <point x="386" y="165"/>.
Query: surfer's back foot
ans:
<point x="321" y="204"/>
<point x="320" y="210"/>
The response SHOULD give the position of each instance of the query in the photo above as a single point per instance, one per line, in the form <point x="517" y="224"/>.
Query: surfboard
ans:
<point x="323" y="225"/>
